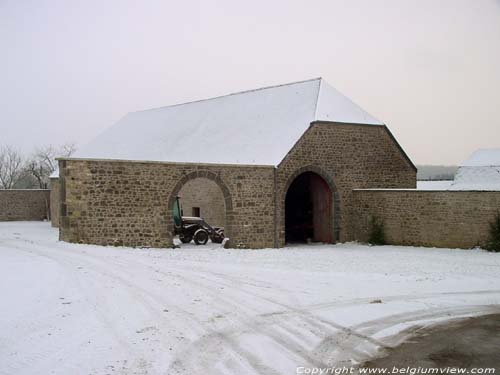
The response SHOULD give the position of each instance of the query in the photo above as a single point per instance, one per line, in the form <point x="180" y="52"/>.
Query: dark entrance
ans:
<point x="308" y="206"/>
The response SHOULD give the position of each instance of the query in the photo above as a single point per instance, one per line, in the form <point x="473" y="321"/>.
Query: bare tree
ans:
<point x="11" y="167"/>
<point x="43" y="162"/>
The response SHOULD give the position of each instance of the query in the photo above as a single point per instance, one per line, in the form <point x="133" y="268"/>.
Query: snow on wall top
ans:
<point x="434" y="185"/>
<point x="257" y="127"/>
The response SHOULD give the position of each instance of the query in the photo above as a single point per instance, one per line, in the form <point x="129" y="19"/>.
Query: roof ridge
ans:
<point x="317" y="99"/>
<point x="476" y="158"/>
<point x="231" y="94"/>
<point x="325" y="92"/>
<point x="488" y="149"/>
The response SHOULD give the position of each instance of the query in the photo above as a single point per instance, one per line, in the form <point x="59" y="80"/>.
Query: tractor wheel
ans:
<point x="218" y="236"/>
<point x="217" y="239"/>
<point x="185" y="239"/>
<point x="201" y="237"/>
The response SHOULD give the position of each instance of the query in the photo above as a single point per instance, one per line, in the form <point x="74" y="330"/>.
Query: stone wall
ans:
<point x="456" y="219"/>
<point x="54" y="202"/>
<point x="347" y="156"/>
<point x="207" y="196"/>
<point x="24" y="204"/>
<point x="129" y="203"/>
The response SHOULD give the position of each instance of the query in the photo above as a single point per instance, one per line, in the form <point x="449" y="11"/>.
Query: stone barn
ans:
<point x="273" y="165"/>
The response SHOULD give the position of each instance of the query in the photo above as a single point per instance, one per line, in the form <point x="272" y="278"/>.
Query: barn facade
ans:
<point x="274" y="165"/>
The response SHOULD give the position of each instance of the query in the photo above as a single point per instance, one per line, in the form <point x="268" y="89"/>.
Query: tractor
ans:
<point x="190" y="228"/>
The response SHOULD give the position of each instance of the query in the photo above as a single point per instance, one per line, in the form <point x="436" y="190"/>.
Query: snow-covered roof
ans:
<point x="477" y="178"/>
<point x="257" y="127"/>
<point x="483" y="158"/>
<point x="481" y="171"/>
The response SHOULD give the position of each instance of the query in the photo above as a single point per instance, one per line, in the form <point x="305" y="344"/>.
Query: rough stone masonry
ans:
<point x="119" y="202"/>
<point x="24" y="205"/>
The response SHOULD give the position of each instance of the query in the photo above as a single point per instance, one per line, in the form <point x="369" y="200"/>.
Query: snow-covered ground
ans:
<point x="80" y="309"/>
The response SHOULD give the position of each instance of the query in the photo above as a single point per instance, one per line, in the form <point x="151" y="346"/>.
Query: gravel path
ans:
<point x="466" y="343"/>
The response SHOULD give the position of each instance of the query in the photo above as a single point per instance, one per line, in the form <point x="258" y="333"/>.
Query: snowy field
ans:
<point x="80" y="309"/>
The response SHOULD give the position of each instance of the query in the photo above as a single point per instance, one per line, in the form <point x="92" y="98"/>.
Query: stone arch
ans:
<point x="335" y="212"/>
<point x="228" y="202"/>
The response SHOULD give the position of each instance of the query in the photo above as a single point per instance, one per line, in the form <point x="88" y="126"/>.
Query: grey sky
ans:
<point x="430" y="69"/>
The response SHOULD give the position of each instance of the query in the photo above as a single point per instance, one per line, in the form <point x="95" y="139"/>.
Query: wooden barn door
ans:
<point x="322" y="206"/>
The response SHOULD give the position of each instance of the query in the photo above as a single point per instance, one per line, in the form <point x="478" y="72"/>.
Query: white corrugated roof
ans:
<point x="257" y="127"/>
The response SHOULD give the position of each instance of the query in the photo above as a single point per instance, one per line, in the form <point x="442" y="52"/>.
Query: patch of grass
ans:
<point x="493" y="243"/>
<point x="377" y="233"/>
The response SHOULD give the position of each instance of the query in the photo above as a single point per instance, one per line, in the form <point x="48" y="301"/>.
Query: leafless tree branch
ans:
<point x="11" y="167"/>
<point x="43" y="162"/>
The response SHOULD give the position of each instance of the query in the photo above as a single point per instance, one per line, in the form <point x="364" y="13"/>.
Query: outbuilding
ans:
<point x="272" y="165"/>
<point x="480" y="172"/>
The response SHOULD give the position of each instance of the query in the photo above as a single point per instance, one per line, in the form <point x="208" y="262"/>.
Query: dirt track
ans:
<point x="466" y="343"/>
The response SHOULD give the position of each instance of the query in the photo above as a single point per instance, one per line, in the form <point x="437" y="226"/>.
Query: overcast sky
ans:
<point x="429" y="69"/>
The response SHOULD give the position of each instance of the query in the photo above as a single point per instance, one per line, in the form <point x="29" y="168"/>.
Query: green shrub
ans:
<point x="493" y="243"/>
<point x="377" y="234"/>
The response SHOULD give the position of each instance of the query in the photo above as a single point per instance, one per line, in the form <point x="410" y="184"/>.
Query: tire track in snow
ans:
<point x="194" y="282"/>
<point x="353" y="335"/>
<point x="102" y="268"/>
<point x="84" y="284"/>
<point x="346" y="342"/>
<point x="35" y="329"/>
<point x="224" y="342"/>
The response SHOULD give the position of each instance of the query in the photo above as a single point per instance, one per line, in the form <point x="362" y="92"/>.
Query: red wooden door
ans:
<point x="322" y="206"/>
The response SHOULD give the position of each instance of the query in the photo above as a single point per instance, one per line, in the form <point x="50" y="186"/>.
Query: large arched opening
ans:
<point x="309" y="210"/>
<point x="201" y="197"/>
<point x="202" y="194"/>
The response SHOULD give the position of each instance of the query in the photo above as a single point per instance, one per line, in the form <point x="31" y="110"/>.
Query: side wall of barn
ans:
<point x="457" y="219"/>
<point x="24" y="205"/>
<point x="347" y="156"/>
<point x="129" y="203"/>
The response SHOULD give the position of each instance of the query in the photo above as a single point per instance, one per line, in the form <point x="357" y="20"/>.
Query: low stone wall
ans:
<point x="24" y="205"/>
<point x="456" y="219"/>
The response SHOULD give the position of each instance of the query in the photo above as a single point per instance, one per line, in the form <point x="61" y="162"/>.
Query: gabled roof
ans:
<point x="485" y="157"/>
<point x="257" y="127"/>
<point x="481" y="171"/>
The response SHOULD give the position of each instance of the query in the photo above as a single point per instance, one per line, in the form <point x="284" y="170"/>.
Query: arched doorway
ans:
<point x="202" y="193"/>
<point x="308" y="210"/>
<point x="201" y="197"/>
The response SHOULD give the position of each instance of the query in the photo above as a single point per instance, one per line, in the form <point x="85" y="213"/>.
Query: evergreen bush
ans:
<point x="493" y="243"/>
<point x="377" y="233"/>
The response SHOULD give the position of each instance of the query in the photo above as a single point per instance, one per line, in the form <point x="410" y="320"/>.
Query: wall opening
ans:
<point x="308" y="210"/>
<point x="209" y="181"/>
<point x="203" y="197"/>
<point x="196" y="212"/>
